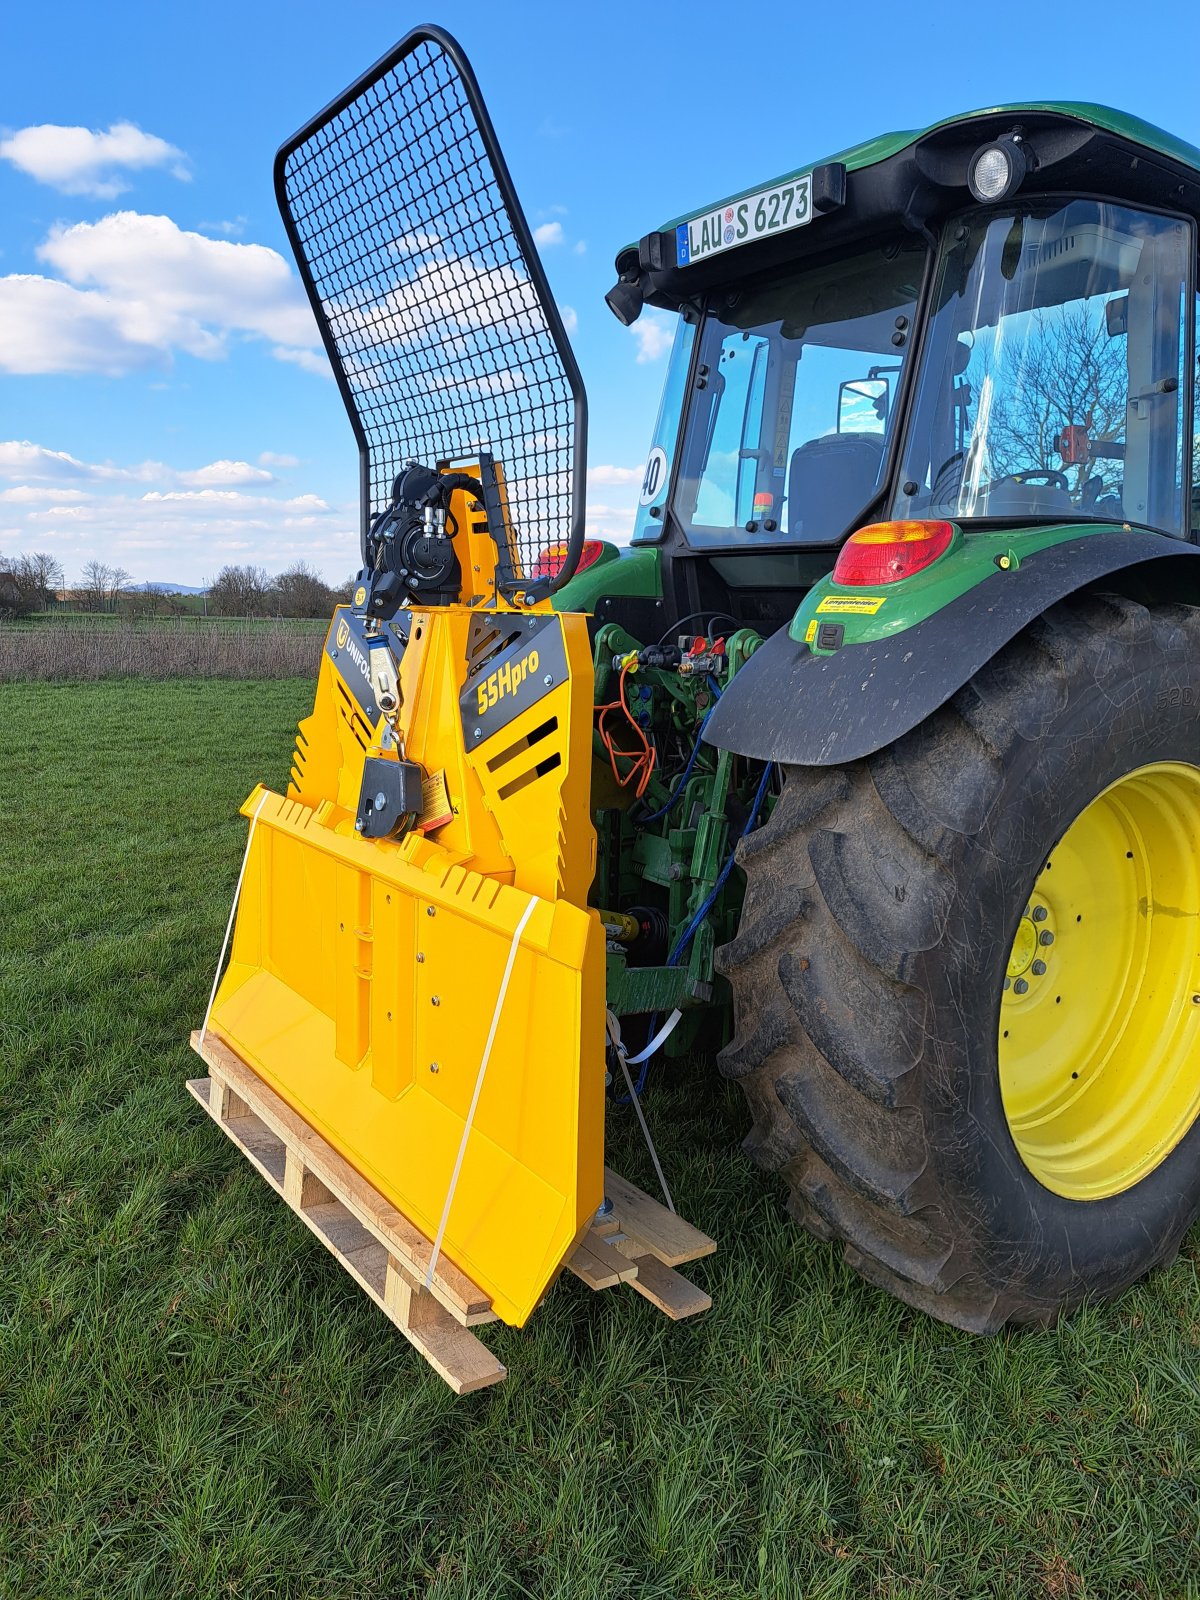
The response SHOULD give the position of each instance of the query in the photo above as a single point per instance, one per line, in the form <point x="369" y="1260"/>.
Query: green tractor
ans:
<point x="891" y="729"/>
<point x="930" y="427"/>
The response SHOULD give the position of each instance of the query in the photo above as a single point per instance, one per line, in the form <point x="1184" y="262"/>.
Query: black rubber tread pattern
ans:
<point x="881" y="902"/>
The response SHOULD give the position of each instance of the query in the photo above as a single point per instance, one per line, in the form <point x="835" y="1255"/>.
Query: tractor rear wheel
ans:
<point x="967" y="978"/>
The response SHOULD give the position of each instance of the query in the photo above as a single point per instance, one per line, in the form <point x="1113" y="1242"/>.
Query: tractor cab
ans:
<point x="991" y="325"/>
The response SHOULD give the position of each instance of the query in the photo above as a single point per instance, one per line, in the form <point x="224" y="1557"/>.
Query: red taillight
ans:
<point x="888" y="551"/>
<point x="550" y="562"/>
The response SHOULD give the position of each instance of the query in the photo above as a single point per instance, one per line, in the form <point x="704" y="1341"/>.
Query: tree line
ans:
<point x="35" y="581"/>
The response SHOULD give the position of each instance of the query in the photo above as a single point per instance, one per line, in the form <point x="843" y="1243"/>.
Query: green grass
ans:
<point x="195" y="1400"/>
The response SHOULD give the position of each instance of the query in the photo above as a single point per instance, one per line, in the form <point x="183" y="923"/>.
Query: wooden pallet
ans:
<point x="637" y="1241"/>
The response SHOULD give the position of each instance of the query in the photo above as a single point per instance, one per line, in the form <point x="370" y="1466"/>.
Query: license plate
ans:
<point x="787" y="205"/>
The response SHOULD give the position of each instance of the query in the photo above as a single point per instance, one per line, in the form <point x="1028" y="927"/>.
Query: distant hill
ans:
<point x="174" y="588"/>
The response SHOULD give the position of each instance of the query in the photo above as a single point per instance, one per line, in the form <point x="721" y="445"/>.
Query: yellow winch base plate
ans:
<point x="361" y="988"/>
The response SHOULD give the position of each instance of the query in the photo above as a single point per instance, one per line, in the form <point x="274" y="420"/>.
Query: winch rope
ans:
<point x="237" y="895"/>
<point x="614" y="1033"/>
<point x="483" y="1065"/>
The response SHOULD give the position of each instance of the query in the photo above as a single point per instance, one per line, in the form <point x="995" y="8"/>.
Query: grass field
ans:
<point x="195" y="1401"/>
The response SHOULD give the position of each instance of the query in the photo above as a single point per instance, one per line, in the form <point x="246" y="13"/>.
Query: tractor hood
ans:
<point x="913" y="178"/>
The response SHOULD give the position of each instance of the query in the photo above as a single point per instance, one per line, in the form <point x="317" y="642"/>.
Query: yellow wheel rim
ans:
<point x="1100" y="1011"/>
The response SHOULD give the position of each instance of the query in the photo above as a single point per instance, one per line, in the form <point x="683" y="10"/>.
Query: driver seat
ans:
<point x="830" y="480"/>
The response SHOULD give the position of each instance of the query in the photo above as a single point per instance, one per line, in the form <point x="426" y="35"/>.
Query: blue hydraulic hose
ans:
<point x="689" y="932"/>
<point x="657" y="816"/>
<point x="706" y="906"/>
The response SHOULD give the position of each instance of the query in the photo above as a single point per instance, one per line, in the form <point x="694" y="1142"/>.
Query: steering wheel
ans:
<point x="1054" y="478"/>
<point x="945" y="470"/>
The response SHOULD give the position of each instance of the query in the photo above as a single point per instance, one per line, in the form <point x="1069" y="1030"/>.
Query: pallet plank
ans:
<point x="669" y="1290"/>
<point x="638" y="1241"/>
<point x="664" y="1234"/>
<point x="597" y="1264"/>
<point x="458" y="1357"/>
<point x="463" y="1299"/>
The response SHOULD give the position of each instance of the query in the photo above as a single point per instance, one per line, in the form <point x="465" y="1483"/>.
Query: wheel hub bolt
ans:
<point x="1039" y="913"/>
<point x="1008" y="983"/>
<point x="1045" y="937"/>
<point x="1021" y="986"/>
<point x="1039" y="967"/>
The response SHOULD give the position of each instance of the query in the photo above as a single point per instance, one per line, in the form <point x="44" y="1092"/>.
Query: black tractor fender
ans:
<point x="787" y="704"/>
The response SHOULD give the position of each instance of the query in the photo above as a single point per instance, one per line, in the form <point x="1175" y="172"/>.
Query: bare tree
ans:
<point x="239" y="592"/>
<point x="1071" y="373"/>
<point x="302" y="592"/>
<point x="92" y="589"/>
<point x="39" y="576"/>
<point x="119" y="582"/>
<point x="13" y="601"/>
<point x="102" y="586"/>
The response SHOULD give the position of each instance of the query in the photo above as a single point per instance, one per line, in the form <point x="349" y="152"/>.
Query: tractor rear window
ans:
<point x="1053" y="383"/>
<point x="794" y="398"/>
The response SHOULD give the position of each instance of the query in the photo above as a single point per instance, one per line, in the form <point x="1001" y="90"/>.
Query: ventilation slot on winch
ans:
<point x="530" y="741"/>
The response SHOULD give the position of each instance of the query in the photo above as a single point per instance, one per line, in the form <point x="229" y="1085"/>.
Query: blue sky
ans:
<point x="160" y="404"/>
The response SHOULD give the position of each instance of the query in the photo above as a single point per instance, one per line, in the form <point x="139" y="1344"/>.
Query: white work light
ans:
<point x="998" y="170"/>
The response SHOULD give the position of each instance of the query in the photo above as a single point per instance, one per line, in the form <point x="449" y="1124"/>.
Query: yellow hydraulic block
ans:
<point x="365" y="972"/>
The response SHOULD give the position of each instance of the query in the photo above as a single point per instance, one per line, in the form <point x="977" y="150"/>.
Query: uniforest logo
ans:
<point x="352" y="648"/>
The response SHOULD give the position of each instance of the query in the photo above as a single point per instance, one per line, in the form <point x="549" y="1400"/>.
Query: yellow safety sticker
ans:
<point x="810" y="633"/>
<point x="435" y="802"/>
<point x="863" y="604"/>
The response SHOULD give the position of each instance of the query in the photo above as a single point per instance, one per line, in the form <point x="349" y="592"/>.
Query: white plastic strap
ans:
<point x="659" y="1039"/>
<point x="237" y="894"/>
<point x="487" y="1051"/>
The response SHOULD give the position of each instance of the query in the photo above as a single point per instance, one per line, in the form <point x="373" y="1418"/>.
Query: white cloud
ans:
<point x="445" y="291"/>
<point x="166" y="524"/>
<point x="269" y="458"/>
<point x="548" y="233"/>
<point x="228" y="499"/>
<point x="20" y="459"/>
<point x="27" y="495"/>
<point x="220" y="473"/>
<point x="134" y="288"/>
<point x="415" y="244"/>
<point x="570" y="318"/>
<point x="232" y="228"/>
<point x="654" y="335"/>
<point x="183" y="283"/>
<point x="580" y="247"/>
<point x="613" y="515"/>
<point x="47" y="326"/>
<point x="83" y="161"/>
<point x="614" y="523"/>
<point x="314" y="361"/>
<point x="508" y="381"/>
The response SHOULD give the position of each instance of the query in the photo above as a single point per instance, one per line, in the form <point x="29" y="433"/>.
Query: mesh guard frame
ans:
<point x="558" y="383"/>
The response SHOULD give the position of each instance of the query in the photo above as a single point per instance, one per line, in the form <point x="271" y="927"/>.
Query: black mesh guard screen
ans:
<point x="430" y="296"/>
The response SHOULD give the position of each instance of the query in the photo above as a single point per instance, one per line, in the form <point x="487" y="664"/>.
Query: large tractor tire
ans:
<point x="967" y="978"/>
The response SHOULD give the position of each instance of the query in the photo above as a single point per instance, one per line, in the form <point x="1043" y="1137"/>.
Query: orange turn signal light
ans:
<point x="885" y="552"/>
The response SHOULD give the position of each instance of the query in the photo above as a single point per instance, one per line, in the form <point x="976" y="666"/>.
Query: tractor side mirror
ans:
<point x="1116" y="316"/>
<point x="863" y="405"/>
